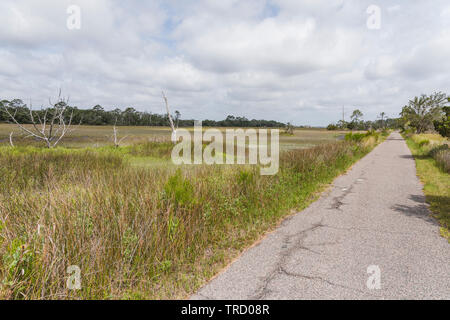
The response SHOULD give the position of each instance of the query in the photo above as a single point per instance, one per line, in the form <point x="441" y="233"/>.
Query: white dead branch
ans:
<point x="50" y="128"/>
<point x="10" y="139"/>
<point x="117" y="141"/>
<point x="172" y="126"/>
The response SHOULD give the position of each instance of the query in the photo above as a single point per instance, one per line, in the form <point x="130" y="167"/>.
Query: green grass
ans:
<point x="138" y="226"/>
<point x="436" y="181"/>
<point x="100" y="136"/>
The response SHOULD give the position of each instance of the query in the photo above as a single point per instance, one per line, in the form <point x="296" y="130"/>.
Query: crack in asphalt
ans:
<point x="370" y="216"/>
<point x="337" y="201"/>
<point x="321" y="244"/>
<point x="285" y="254"/>
<point x="366" y="229"/>
<point x="279" y="268"/>
<point x="297" y="275"/>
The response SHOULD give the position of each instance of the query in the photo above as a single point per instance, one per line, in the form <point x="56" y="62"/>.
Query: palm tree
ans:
<point x="382" y="116"/>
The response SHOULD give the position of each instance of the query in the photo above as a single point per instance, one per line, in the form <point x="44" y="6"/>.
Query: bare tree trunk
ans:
<point x="115" y="131"/>
<point x="115" y="136"/>
<point x="10" y="139"/>
<point x="172" y="126"/>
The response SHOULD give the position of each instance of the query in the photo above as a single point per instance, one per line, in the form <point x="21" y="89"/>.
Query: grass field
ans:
<point x="433" y="168"/>
<point x="137" y="226"/>
<point x="97" y="136"/>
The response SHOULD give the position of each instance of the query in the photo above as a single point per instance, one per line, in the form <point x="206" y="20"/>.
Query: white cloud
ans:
<point x="288" y="60"/>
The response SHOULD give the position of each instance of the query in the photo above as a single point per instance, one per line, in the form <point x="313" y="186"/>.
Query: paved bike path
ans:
<point x="375" y="217"/>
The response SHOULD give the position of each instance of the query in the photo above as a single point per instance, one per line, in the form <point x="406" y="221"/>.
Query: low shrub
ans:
<point x="442" y="156"/>
<point x="433" y="146"/>
<point x="357" y="137"/>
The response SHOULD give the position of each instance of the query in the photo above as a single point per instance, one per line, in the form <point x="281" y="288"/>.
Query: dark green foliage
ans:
<point x="232" y="121"/>
<point x="354" y="136"/>
<point x="421" y="112"/>
<point x="443" y="126"/>
<point x="129" y="117"/>
<point x="332" y="126"/>
<point x="179" y="189"/>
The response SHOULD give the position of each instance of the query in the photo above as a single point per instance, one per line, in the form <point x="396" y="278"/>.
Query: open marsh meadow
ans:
<point x="134" y="224"/>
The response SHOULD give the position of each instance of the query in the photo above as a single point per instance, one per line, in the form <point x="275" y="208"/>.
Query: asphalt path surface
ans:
<point x="370" y="236"/>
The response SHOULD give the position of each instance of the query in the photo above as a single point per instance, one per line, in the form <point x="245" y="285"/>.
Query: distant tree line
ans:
<point x="232" y="121"/>
<point x="421" y="114"/>
<point x="357" y="122"/>
<point x="128" y="117"/>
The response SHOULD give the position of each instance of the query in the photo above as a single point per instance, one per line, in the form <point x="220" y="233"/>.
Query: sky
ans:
<point x="286" y="60"/>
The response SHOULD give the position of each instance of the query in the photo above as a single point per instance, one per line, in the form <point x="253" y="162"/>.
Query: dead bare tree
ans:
<point x="172" y="126"/>
<point x="115" y="132"/>
<point x="50" y="127"/>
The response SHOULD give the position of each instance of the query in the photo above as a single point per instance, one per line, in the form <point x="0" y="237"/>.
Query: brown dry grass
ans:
<point x="138" y="232"/>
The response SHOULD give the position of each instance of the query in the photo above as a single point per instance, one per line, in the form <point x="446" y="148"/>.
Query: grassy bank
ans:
<point x="432" y="157"/>
<point x="138" y="231"/>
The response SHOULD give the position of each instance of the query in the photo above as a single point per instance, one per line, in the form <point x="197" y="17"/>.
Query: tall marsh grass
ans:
<point x="432" y="157"/>
<point x="434" y="146"/>
<point x="139" y="232"/>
